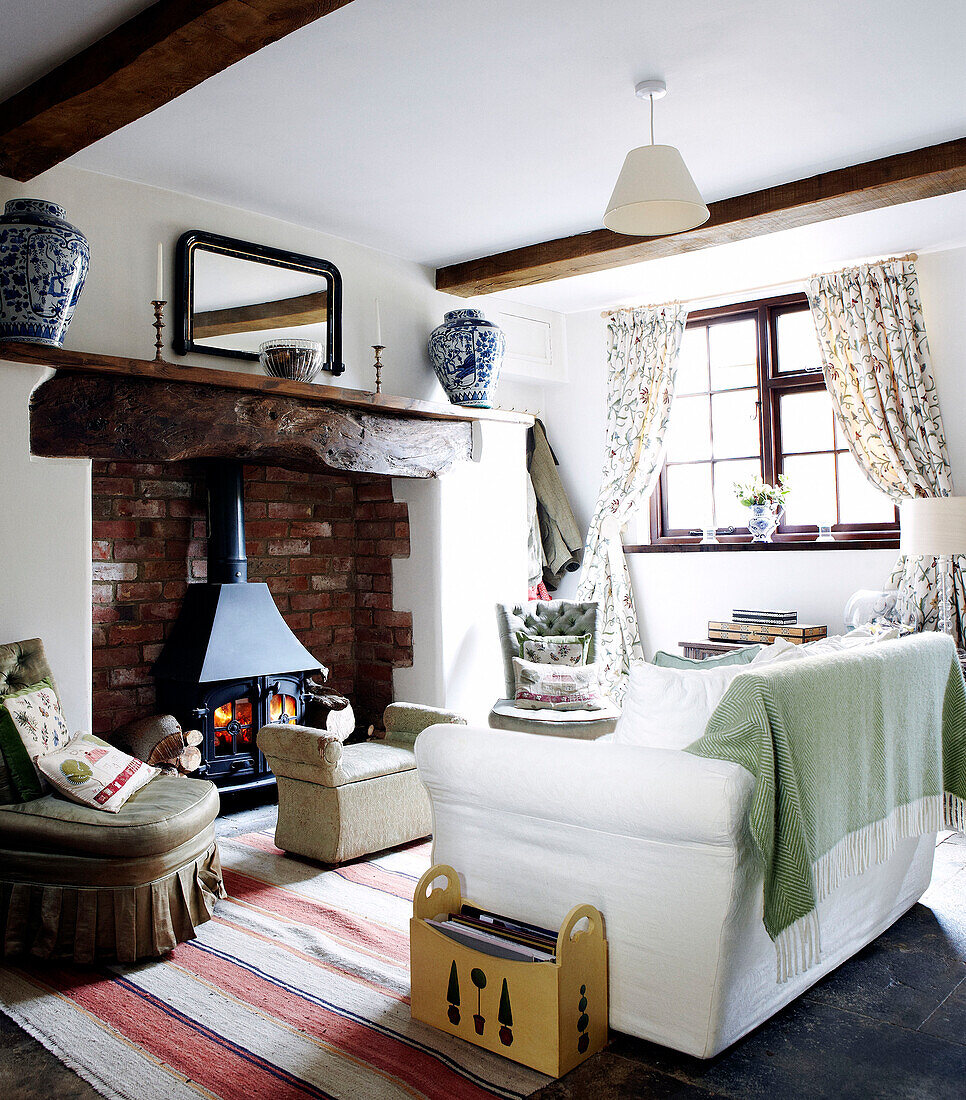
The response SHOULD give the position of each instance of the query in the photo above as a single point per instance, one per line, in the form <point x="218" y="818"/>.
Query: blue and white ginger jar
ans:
<point x="43" y="266"/>
<point x="467" y="353"/>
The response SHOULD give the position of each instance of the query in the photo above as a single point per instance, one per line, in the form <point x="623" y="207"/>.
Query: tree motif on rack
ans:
<point x="453" y="996"/>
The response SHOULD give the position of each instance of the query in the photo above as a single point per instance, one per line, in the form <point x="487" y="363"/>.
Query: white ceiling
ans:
<point x="442" y="129"/>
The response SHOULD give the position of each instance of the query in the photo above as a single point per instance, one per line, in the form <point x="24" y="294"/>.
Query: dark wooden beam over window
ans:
<point x="920" y="174"/>
<point x="146" y="62"/>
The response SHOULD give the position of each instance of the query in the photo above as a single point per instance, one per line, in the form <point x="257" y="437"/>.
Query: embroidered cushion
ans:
<point x="562" y="649"/>
<point x="94" y="773"/>
<point x="31" y="724"/>
<point x="551" y="687"/>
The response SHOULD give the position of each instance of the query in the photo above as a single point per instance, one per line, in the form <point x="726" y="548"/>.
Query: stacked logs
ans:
<point x="161" y="742"/>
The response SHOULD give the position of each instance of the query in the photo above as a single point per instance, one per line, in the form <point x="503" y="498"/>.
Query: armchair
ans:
<point x="81" y="883"/>
<point x="548" y="618"/>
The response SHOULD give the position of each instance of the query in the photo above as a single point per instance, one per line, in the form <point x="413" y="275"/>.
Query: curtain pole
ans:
<point x="910" y="257"/>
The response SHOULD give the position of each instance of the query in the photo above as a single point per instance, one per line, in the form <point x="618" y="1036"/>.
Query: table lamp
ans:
<point x="935" y="527"/>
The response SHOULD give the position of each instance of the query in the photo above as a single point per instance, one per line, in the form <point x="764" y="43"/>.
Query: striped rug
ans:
<point x="298" y="988"/>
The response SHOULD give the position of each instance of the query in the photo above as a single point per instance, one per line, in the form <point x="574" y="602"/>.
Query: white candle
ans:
<point x="378" y="324"/>
<point x="159" y="295"/>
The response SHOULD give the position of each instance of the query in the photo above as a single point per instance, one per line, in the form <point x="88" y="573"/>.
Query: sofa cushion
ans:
<point x="92" y="772"/>
<point x="739" y="657"/>
<point x="21" y="664"/>
<point x="31" y="725"/>
<point x="167" y="812"/>
<point x="552" y="687"/>
<point x="567" y="649"/>
<point x="585" y="725"/>
<point x="668" y="708"/>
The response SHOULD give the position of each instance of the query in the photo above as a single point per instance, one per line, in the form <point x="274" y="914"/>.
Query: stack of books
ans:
<point x="763" y="627"/>
<point x="771" y="618"/>
<point x="498" y="936"/>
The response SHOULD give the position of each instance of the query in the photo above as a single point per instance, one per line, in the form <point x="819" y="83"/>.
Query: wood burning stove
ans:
<point x="231" y="664"/>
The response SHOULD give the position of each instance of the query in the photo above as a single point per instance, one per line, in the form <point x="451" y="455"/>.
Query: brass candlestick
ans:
<point x="378" y="349"/>
<point x="158" y="325"/>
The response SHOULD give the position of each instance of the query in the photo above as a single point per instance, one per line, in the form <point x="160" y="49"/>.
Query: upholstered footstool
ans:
<point x="338" y="802"/>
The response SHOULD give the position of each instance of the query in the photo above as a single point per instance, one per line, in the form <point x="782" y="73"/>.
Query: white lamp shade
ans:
<point x="655" y="195"/>
<point x="932" y="526"/>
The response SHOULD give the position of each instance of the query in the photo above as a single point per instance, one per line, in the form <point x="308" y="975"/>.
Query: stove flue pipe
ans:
<point x="227" y="562"/>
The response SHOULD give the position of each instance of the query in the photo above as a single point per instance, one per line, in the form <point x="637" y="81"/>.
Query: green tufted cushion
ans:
<point x="542" y="618"/>
<point x="21" y="664"/>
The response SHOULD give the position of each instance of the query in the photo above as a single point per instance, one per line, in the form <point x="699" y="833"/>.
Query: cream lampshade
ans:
<point x="934" y="527"/>
<point x="655" y="194"/>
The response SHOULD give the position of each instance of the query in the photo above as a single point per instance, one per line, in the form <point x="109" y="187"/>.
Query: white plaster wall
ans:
<point x="45" y="558"/>
<point x="47" y="535"/>
<point x="480" y="510"/>
<point x="677" y="593"/>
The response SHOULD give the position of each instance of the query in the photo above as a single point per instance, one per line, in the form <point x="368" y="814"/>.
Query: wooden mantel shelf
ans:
<point x="134" y="410"/>
<point x="60" y="359"/>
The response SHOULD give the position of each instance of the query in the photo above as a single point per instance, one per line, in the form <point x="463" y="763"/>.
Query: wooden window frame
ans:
<point x="771" y="386"/>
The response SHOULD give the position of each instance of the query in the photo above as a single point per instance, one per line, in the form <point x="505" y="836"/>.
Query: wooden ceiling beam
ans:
<point x="905" y="177"/>
<point x="151" y="59"/>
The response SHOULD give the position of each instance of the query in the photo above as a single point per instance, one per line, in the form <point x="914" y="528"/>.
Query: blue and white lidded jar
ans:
<point x="467" y="354"/>
<point x="43" y="265"/>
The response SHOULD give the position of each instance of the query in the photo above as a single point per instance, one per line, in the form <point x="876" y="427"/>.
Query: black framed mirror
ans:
<point x="233" y="295"/>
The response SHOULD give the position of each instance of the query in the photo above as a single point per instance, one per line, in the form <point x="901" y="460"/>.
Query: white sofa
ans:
<point x="657" y="840"/>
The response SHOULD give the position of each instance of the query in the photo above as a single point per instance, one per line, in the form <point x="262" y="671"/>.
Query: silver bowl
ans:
<point x="297" y="360"/>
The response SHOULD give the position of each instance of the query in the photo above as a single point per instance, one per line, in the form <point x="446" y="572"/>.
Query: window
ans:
<point x="750" y="399"/>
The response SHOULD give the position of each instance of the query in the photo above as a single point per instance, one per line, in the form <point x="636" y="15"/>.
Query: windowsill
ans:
<point x="757" y="547"/>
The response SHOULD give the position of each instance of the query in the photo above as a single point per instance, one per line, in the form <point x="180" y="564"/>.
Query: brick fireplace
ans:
<point x="323" y="543"/>
<point x="338" y="456"/>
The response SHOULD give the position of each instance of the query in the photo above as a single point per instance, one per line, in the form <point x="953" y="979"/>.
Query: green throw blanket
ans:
<point x="851" y="752"/>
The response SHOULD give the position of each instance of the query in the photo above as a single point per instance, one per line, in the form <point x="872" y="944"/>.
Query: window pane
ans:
<point x="735" y="422"/>
<point x="693" y="362"/>
<point x="812" y="496"/>
<point x="806" y="422"/>
<point x="859" y="500"/>
<point x="798" y="348"/>
<point x="734" y="354"/>
<point x="727" y="511"/>
<point x="689" y="430"/>
<point x="689" y="496"/>
<point x="841" y="444"/>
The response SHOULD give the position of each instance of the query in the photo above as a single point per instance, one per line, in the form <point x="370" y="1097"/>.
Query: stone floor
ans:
<point x="888" y="1025"/>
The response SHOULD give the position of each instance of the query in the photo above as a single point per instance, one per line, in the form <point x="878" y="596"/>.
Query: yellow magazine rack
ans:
<point x="548" y="1015"/>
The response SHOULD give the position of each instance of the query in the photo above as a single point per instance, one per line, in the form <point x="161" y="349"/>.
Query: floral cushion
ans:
<point x="551" y="687"/>
<point x="31" y="724"/>
<point x="558" y="649"/>
<point x="94" y="773"/>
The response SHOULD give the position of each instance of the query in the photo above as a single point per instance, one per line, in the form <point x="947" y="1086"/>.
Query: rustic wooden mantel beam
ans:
<point x="142" y="419"/>
<point x="151" y="59"/>
<point x="920" y="174"/>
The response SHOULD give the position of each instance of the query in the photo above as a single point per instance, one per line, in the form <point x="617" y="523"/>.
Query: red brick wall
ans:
<point x="323" y="544"/>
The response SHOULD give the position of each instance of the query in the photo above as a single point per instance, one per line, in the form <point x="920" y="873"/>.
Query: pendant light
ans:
<point x="655" y="194"/>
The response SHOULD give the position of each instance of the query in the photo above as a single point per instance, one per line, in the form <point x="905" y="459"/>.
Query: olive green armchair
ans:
<point x="84" y="884"/>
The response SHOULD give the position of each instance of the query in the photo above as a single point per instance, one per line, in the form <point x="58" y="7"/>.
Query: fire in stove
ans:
<point x="231" y="664"/>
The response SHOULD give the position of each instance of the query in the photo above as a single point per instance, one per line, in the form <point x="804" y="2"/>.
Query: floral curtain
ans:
<point x="642" y="350"/>
<point x="877" y="369"/>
